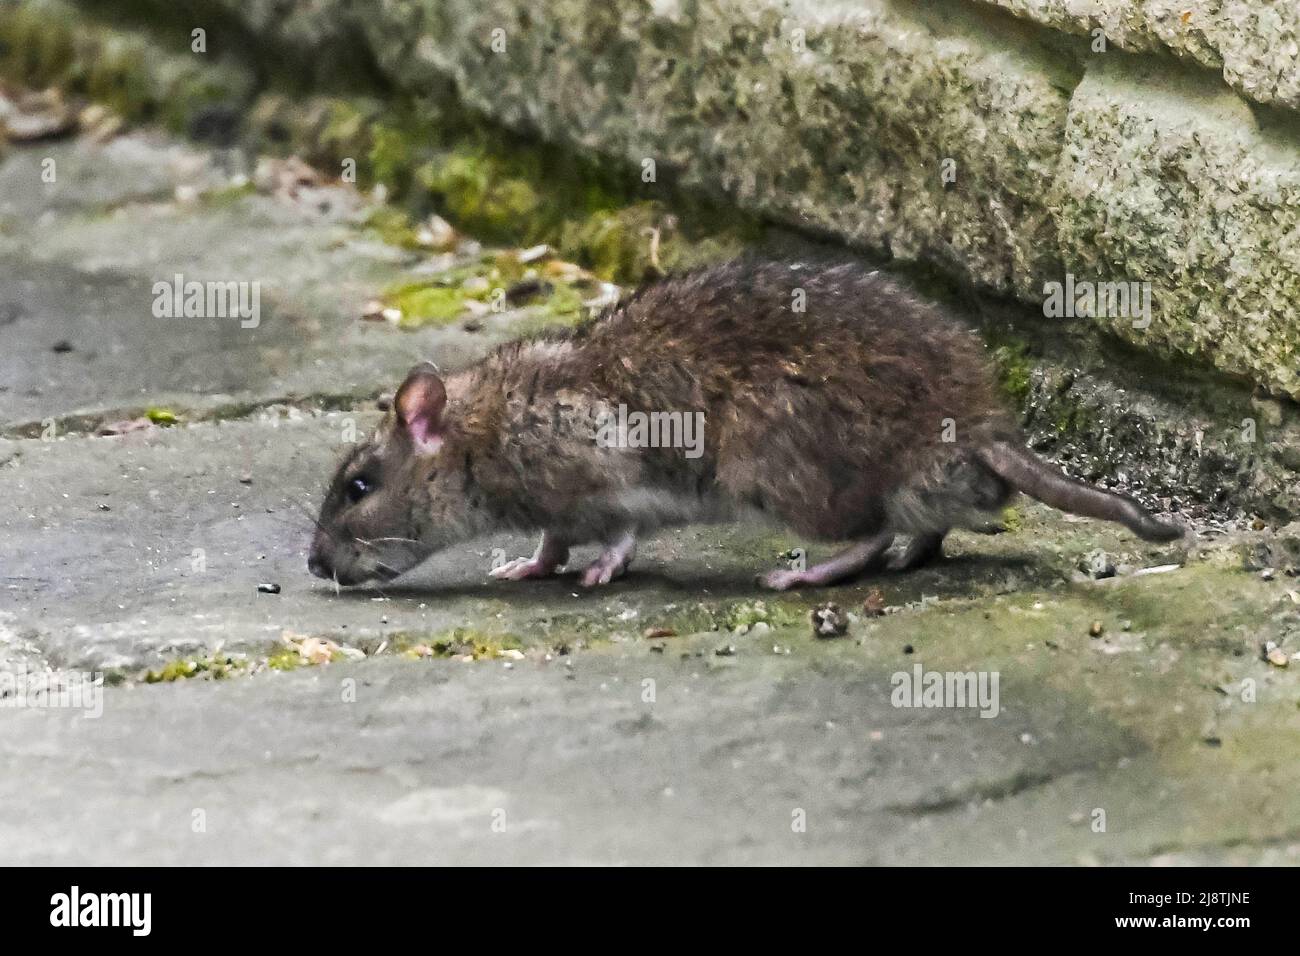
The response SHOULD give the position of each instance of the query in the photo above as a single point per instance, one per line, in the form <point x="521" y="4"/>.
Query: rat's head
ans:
<point x="381" y="513"/>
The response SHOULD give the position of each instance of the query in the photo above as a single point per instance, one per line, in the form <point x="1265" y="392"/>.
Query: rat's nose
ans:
<point x="318" y="564"/>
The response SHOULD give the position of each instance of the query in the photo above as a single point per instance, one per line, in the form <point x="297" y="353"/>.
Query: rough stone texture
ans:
<point x="79" y="258"/>
<point x="1255" y="43"/>
<point x="1172" y="180"/>
<point x="394" y="760"/>
<point x="837" y="117"/>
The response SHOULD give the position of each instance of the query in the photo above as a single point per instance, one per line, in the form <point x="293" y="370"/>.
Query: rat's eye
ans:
<point x="358" y="488"/>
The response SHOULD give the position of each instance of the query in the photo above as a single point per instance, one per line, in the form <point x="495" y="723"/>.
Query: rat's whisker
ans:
<point x="310" y="516"/>
<point x="376" y="544"/>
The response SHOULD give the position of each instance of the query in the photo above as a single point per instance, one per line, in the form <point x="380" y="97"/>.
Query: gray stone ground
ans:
<point x="574" y="738"/>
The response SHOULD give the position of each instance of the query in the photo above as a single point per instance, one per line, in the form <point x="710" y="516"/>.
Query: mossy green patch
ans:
<point x="214" y="667"/>
<point x="1012" y="519"/>
<point x="423" y="305"/>
<point x="1014" y="368"/>
<point x="432" y="156"/>
<point x="162" y="416"/>
<point x="748" y="613"/>
<point x="227" y="195"/>
<point x="482" y="194"/>
<point x="458" y="642"/>
<point x="46" y="44"/>
<point x="394" y="226"/>
<point x="285" y="659"/>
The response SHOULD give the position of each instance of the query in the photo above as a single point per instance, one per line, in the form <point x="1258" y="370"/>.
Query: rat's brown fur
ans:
<point x="862" y="414"/>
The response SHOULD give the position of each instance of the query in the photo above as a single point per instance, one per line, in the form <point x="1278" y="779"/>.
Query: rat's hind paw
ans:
<point x="522" y="569"/>
<point x="611" y="564"/>
<point x="602" y="571"/>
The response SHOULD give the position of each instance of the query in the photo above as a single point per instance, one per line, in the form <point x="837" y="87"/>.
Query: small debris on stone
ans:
<point x="316" y="650"/>
<point x="269" y="588"/>
<point x="284" y="178"/>
<point x="1275" y="655"/>
<point x="99" y="123"/>
<point x="36" y="116"/>
<point x="727" y="650"/>
<point x="527" y="289"/>
<point x="651" y="633"/>
<point x="437" y="234"/>
<point x="476" y="285"/>
<point x="874" y="605"/>
<point x="1097" y="565"/>
<point x="534" y="253"/>
<point x="1158" y="569"/>
<point x="829" y="621"/>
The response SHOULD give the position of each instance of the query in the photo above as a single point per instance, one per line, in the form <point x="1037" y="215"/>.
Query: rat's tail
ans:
<point x="1026" y="472"/>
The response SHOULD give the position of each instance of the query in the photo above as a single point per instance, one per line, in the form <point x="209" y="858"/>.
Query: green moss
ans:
<point x="215" y="667"/>
<point x="227" y="195"/>
<point x="50" y="45"/>
<point x="564" y="306"/>
<point x="1014" y="369"/>
<point x="1012" y="519"/>
<point x="424" y="305"/>
<point x="391" y="157"/>
<point x="481" y="194"/>
<point x="458" y="642"/>
<point x="162" y="416"/>
<point x="503" y="189"/>
<point x="749" y="613"/>
<point x="285" y="659"/>
<point x="394" y="227"/>
<point x="36" y="50"/>
<point x="431" y="154"/>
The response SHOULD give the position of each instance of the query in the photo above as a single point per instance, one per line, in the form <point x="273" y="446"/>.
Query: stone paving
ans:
<point x="465" y="720"/>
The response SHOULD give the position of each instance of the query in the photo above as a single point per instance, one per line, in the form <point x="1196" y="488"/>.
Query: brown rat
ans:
<point x="833" y="402"/>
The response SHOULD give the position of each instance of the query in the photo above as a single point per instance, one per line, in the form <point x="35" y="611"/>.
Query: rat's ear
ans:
<point x="419" y="404"/>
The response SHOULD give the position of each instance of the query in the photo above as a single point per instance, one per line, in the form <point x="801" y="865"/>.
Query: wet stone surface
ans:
<point x="670" y="717"/>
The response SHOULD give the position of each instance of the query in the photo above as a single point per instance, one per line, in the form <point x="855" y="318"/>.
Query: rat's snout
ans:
<point x="319" y="560"/>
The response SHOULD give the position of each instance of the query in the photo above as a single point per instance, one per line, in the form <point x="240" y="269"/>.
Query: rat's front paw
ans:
<point x="522" y="569"/>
